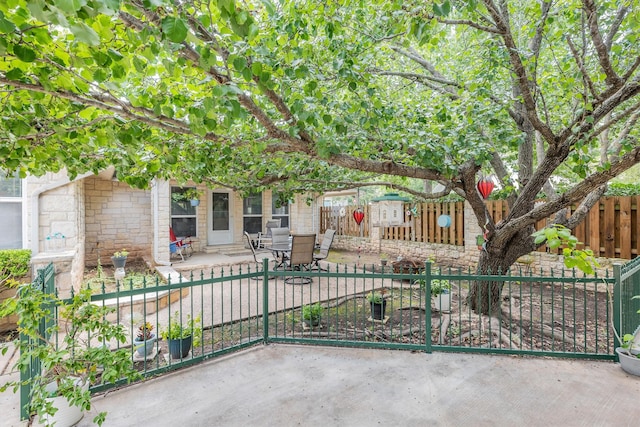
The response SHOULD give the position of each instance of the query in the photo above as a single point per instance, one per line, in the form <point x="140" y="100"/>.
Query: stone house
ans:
<point x="75" y="223"/>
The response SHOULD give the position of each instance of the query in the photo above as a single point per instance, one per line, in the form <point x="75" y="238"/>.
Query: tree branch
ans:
<point x="612" y="78"/>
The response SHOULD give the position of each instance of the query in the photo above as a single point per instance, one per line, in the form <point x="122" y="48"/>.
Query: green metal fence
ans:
<point x="44" y="281"/>
<point x="551" y="315"/>
<point x="625" y="309"/>
<point x="565" y="316"/>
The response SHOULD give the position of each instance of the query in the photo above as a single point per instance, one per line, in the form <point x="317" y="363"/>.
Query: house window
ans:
<point x="183" y="216"/>
<point x="10" y="212"/>
<point x="252" y="213"/>
<point x="281" y="212"/>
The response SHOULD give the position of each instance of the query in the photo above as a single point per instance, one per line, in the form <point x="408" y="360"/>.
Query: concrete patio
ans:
<point x="289" y="385"/>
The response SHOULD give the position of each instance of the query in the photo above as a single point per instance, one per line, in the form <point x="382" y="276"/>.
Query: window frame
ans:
<point x="251" y="216"/>
<point x="285" y="218"/>
<point x="16" y="199"/>
<point x="192" y="211"/>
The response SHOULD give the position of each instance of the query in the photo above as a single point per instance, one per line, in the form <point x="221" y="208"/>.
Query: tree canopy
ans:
<point x="303" y="95"/>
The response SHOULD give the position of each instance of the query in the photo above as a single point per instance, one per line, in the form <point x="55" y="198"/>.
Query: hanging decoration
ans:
<point x="358" y="216"/>
<point x="444" y="221"/>
<point x="485" y="187"/>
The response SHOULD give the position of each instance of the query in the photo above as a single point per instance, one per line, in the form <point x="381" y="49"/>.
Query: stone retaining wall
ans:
<point x="461" y="256"/>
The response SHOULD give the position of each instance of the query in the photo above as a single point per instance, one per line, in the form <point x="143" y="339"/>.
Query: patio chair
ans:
<point x="181" y="246"/>
<point x="280" y="237"/>
<point x="266" y="236"/>
<point x="256" y="254"/>
<point x="301" y="257"/>
<point x="323" y="252"/>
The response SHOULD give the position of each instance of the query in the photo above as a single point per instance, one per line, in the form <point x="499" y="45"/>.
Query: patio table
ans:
<point x="281" y="252"/>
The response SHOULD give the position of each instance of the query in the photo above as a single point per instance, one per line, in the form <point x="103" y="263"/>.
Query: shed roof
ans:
<point x="394" y="197"/>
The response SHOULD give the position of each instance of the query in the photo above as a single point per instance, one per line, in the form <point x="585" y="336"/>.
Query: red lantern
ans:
<point x="358" y="216"/>
<point x="485" y="187"/>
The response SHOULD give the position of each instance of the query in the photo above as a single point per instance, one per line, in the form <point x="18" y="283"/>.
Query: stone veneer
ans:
<point x="117" y="217"/>
<point x="59" y="204"/>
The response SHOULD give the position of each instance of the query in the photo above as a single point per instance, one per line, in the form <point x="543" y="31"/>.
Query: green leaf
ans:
<point x="175" y="29"/>
<point x="15" y="74"/>
<point x="554" y="243"/>
<point x="85" y="34"/>
<point x="540" y="238"/>
<point x="20" y="128"/>
<point x="24" y="53"/>
<point x="6" y="26"/>
<point x="239" y="63"/>
<point x="68" y="6"/>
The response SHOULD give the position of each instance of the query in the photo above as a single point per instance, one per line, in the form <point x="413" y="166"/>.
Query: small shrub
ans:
<point x="312" y="312"/>
<point x="14" y="264"/>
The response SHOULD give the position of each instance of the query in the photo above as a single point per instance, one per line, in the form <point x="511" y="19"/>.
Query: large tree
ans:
<point x="306" y="95"/>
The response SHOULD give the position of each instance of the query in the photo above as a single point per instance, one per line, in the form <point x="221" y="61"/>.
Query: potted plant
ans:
<point x="378" y="304"/>
<point x="193" y="195"/>
<point x="311" y="314"/>
<point x="181" y="335"/>
<point x="629" y="351"/>
<point x="384" y="259"/>
<point x="119" y="258"/>
<point x="441" y="295"/>
<point x="73" y="351"/>
<point x="144" y="340"/>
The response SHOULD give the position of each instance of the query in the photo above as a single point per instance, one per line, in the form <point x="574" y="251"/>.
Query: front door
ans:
<point x="220" y="221"/>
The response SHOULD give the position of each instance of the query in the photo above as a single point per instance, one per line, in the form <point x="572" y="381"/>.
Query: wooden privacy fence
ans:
<point x="610" y="230"/>
<point x="420" y="223"/>
<point x="340" y="218"/>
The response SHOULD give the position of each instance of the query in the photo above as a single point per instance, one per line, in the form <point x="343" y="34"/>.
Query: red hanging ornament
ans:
<point x="485" y="187"/>
<point x="358" y="216"/>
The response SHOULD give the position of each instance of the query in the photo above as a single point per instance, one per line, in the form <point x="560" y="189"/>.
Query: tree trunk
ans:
<point x="485" y="296"/>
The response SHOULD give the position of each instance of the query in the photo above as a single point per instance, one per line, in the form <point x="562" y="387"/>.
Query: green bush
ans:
<point x="14" y="264"/>
<point x="620" y="189"/>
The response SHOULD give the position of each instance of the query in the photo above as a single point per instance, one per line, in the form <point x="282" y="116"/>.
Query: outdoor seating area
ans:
<point x="297" y="252"/>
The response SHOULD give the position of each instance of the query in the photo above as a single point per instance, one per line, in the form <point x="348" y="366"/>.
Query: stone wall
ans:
<point x="117" y="217"/>
<point x="57" y="233"/>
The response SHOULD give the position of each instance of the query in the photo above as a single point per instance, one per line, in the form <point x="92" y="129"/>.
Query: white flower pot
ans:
<point x="67" y="415"/>
<point x="629" y="364"/>
<point x="442" y="302"/>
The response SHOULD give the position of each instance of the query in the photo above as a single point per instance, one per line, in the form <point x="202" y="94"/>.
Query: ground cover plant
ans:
<point x="101" y="279"/>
